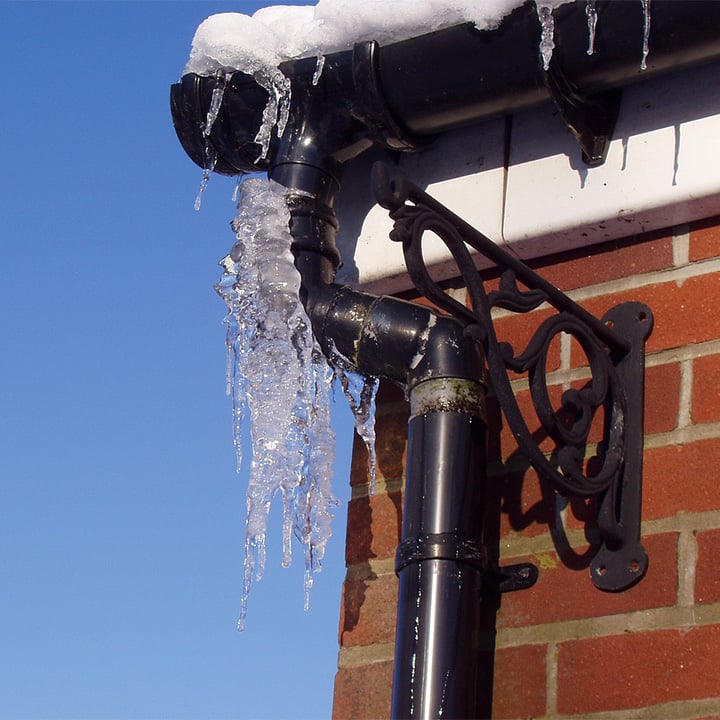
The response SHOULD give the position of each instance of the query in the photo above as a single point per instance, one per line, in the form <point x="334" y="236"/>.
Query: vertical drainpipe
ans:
<point x="441" y="561"/>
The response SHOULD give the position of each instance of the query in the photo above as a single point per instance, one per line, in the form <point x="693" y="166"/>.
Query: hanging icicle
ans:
<point x="591" y="12"/>
<point x="547" y="36"/>
<point x="646" y="33"/>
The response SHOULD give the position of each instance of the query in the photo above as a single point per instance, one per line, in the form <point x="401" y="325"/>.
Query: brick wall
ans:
<point x="564" y="648"/>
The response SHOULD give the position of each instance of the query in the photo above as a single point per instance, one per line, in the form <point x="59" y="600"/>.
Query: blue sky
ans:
<point x="121" y="515"/>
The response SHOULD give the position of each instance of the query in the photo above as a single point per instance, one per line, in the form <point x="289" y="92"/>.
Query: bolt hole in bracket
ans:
<point x="615" y="349"/>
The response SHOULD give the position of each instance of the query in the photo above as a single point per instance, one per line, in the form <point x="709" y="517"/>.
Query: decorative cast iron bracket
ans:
<point x="614" y="346"/>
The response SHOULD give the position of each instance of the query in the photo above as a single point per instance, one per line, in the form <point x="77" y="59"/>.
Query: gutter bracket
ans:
<point x="614" y="347"/>
<point x="590" y="118"/>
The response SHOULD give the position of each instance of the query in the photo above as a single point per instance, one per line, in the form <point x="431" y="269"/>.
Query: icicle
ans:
<point x="218" y="94"/>
<point x="591" y="12"/>
<point x="210" y="160"/>
<point x="360" y="392"/>
<point x="279" y="376"/>
<point x="210" y="157"/>
<point x="547" y="37"/>
<point x="236" y="189"/>
<point x="646" y="33"/>
<point x="277" y="109"/>
<point x="318" y="68"/>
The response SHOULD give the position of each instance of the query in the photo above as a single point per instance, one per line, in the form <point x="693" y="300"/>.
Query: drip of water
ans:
<point x="646" y="34"/>
<point x="277" y="109"/>
<point x="278" y="375"/>
<point x="591" y="12"/>
<point x="547" y="36"/>
<point x="360" y="392"/>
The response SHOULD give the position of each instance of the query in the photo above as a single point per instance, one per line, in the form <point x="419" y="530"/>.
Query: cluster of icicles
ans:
<point x="278" y="375"/>
<point x="547" y="37"/>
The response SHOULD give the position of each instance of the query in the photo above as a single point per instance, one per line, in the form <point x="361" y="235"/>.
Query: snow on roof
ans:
<point x="255" y="43"/>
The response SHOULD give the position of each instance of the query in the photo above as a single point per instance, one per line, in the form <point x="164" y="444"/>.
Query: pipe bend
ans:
<point x="385" y="336"/>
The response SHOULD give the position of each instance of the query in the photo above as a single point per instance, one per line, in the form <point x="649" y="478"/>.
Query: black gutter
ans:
<point x="400" y="95"/>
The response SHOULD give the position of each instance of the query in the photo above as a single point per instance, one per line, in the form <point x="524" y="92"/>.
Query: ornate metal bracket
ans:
<point x="614" y="346"/>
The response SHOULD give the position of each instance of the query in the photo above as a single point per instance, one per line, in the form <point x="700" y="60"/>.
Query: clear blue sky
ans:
<point x="121" y="516"/>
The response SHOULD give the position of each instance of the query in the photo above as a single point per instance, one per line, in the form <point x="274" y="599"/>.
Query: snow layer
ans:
<point x="233" y="41"/>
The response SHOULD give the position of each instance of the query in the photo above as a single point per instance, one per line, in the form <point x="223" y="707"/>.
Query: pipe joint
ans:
<point x="447" y="394"/>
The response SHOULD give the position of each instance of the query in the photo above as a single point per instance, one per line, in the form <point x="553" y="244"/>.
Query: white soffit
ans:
<point x="662" y="169"/>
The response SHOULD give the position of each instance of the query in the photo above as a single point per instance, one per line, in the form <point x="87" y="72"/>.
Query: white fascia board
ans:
<point x="662" y="169"/>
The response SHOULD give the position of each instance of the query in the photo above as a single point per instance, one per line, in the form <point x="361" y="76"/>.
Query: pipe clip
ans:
<point x="440" y="546"/>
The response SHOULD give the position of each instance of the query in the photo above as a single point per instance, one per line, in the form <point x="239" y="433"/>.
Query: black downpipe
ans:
<point x="441" y="562"/>
<point x="397" y="96"/>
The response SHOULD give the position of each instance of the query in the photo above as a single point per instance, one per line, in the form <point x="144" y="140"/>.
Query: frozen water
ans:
<point x="277" y="374"/>
<point x="318" y="69"/>
<point x="646" y="34"/>
<point x="591" y="12"/>
<point x="276" y="111"/>
<point x="547" y="36"/>
<point x="210" y="158"/>
<point x="360" y="392"/>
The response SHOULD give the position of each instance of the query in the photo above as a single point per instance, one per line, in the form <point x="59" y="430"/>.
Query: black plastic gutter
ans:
<point x="458" y="76"/>
<point x="400" y="94"/>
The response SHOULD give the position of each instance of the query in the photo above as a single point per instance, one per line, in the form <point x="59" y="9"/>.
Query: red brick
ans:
<point x="373" y="527"/>
<point x="680" y="478"/>
<point x="681" y="311"/>
<point x="368" y="611"/>
<point x="518" y="329"/>
<point x="520" y="685"/>
<point x="706" y="389"/>
<point x="609" y="261"/>
<point x="705" y="239"/>
<point x="662" y="397"/>
<point x="601" y="263"/>
<point x="627" y="671"/>
<point x="564" y="590"/>
<point x="525" y="404"/>
<point x="528" y="504"/>
<point x="707" y="580"/>
<point x="390" y="447"/>
<point x="363" y="692"/>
